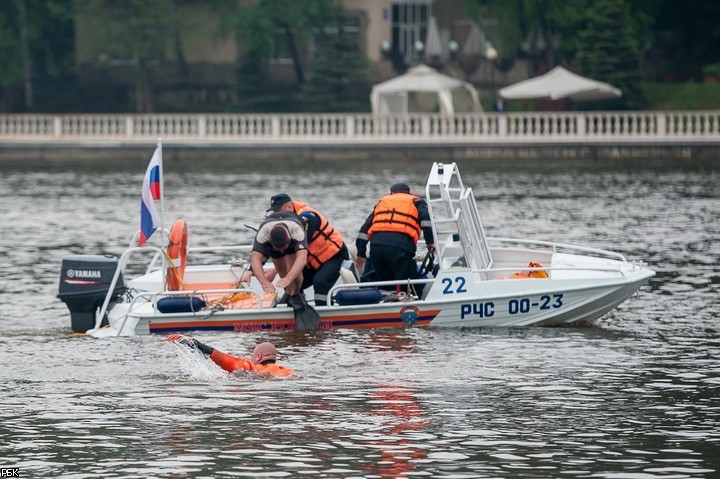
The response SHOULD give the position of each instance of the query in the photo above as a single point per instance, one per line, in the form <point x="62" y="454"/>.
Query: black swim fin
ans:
<point x="305" y="315"/>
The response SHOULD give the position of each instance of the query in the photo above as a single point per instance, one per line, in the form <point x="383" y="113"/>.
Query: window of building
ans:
<point x="409" y="25"/>
<point x="350" y="27"/>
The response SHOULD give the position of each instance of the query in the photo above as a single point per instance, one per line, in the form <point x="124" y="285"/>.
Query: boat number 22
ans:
<point x="456" y="286"/>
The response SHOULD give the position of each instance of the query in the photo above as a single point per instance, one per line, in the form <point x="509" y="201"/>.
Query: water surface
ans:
<point x="635" y="394"/>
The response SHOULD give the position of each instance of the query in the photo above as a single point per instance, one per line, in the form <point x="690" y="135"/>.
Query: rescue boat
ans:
<point x="470" y="280"/>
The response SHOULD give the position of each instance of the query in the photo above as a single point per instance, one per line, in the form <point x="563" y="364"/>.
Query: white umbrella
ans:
<point x="433" y="43"/>
<point x="560" y="83"/>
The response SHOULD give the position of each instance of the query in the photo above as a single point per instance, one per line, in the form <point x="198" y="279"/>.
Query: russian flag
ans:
<point x="150" y="213"/>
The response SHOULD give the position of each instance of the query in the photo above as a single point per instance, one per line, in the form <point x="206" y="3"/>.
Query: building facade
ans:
<point x="197" y="62"/>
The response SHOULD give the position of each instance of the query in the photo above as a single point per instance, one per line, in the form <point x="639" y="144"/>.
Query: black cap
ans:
<point x="279" y="236"/>
<point x="399" y="188"/>
<point x="278" y="200"/>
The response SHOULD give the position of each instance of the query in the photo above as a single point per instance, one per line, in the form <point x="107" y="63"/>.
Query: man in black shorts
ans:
<point x="281" y="237"/>
<point x="326" y="247"/>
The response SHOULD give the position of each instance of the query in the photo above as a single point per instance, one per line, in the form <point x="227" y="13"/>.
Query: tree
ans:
<point x="338" y="78"/>
<point x="34" y="49"/>
<point x="10" y="55"/>
<point x="134" y="33"/>
<point x="695" y="35"/>
<point x="271" y="28"/>
<point x="271" y="32"/>
<point x="608" y="49"/>
<point x="543" y="30"/>
<point x="551" y="32"/>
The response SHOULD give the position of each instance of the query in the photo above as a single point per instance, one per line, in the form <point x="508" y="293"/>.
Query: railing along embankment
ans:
<point x="631" y="127"/>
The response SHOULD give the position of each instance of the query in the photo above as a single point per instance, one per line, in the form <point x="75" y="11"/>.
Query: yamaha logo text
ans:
<point x="84" y="273"/>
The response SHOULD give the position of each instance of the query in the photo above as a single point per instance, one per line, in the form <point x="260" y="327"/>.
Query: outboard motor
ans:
<point x="84" y="283"/>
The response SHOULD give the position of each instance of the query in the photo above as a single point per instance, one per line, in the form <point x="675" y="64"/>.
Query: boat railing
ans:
<point x="158" y="256"/>
<point x="486" y="271"/>
<point x="245" y="249"/>
<point x="199" y="292"/>
<point x="554" y="246"/>
<point x="212" y="249"/>
<point x="163" y="233"/>
<point x="203" y="249"/>
<point x="122" y="264"/>
<point x="375" y="284"/>
<point x="153" y="295"/>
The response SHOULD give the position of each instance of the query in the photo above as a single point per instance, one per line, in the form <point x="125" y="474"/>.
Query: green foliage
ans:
<point x="697" y="26"/>
<point x="713" y="69"/>
<point x="10" y="55"/>
<point x="608" y="50"/>
<point x="134" y="33"/>
<point x="36" y="47"/>
<point x="552" y="32"/>
<point x="271" y="28"/>
<point x="680" y="96"/>
<point x="545" y="30"/>
<point x="510" y="14"/>
<point x="136" y="44"/>
<point x="338" y="81"/>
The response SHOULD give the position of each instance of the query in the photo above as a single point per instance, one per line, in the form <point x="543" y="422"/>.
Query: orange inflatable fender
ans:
<point x="177" y="254"/>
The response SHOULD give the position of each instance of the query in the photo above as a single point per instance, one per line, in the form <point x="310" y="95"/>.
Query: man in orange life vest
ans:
<point x="393" y="230"/>
<point x="326" y="247"/>
<point x="262" y="361"/>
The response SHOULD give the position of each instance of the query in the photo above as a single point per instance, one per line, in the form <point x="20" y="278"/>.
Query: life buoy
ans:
<point x="177" y="254"/>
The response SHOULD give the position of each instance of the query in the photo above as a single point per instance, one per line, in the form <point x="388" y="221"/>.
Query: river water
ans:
<point x="634" y="395"/>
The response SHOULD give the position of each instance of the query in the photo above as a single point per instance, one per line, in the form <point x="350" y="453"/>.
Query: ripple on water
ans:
<point x="632" y="395"/>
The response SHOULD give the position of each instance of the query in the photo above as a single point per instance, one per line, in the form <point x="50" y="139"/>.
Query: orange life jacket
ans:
<point x="325" y="243"/>
<point x="531" y="274"/>
<point x="232" y="363"/>
<point x="396" y="213"/>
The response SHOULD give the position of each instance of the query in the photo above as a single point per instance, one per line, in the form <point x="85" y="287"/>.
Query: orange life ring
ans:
<point x="177" y="253"/>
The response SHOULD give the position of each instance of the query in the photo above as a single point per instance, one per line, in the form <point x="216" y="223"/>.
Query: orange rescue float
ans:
<point x="177" y="254"/>
<point x="531" y="274"/>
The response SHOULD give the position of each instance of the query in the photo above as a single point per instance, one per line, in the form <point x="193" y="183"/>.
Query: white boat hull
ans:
<point x="498" y="303"/>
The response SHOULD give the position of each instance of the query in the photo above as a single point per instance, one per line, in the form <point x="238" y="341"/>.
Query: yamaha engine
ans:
<point x="84" y="284"/>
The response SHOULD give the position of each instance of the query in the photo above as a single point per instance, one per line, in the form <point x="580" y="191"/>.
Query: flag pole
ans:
<point x="163" y="243"/>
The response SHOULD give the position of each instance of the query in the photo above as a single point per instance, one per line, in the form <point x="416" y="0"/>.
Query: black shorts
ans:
<point x="323" y="279"/>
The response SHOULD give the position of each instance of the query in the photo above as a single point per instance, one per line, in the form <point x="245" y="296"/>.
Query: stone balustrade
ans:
<point x="338" y="129"/>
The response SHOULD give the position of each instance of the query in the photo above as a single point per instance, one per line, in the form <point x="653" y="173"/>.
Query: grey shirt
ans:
<point x="296" y="227"/>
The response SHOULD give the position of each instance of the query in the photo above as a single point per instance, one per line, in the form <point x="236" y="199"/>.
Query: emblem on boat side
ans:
<point x="409" y="315"/>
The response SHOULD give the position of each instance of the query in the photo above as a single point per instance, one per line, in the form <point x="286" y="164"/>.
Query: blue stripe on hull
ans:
<point x="252" y="326"/>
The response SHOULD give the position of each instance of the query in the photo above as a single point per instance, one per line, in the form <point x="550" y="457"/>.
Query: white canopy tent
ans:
<point x="424" y="89"/>
<point x="560" y="83"/>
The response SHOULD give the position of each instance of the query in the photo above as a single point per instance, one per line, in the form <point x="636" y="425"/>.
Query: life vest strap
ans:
<point x="410" y="225"/>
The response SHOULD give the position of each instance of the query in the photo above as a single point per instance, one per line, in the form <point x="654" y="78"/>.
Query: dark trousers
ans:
<point x="392" y="263"/>
<point x="324" y="278"/>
